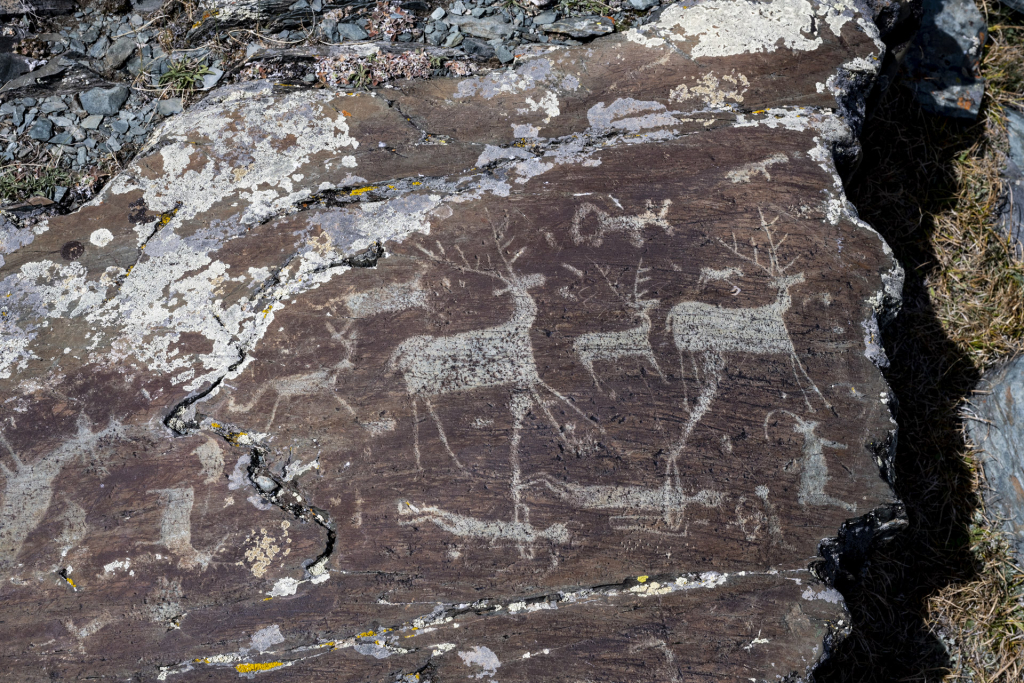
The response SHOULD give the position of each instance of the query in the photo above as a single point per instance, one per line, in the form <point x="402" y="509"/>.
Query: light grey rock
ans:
<point x="504" y="54"/>
<point x="113" y="145"/>
<point x="82" y="152"/>
<point x="77" y="133"/>
<point x="999" y="436"/>
<point x="99" y="48"/>
<point x="582" y="27"/>
<point x="457" y="8"/>
<point x="438" y="14"/>
<point x="210" y="79"/>
<point x="548" y="17"/>
<point x="106" y="101"/>
<point x="119" y="52"/>
<point x="41" y="130"/>
<point x="487" y="28"/>
<point x="62" y="121"/>
<point x="61" y="139"/>
<point x="1011" y="212"/>
<point x="169" y="106"/>
<point x="454" y="39"/>
<point x="136" y="20"/>
<point x="643" y="4"/>
<point x="352" y="32"/>
<point x="51" y="106"/>
<point x="119" y="126"/>
<point x="92" y="122"/>
<point x="90" y="34"/>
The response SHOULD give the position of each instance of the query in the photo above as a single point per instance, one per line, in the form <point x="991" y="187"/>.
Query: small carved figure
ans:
<point x="631" y="225"/>
<point x="813" y="467"/>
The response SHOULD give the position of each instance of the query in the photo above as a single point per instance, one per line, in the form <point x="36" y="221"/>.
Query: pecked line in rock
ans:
<point x="625" y="322"/>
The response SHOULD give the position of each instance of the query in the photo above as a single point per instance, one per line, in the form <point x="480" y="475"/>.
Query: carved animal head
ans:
<point x="786" y="281"/>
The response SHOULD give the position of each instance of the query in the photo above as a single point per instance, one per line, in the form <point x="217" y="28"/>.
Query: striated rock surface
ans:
<point x="565" y="371"/>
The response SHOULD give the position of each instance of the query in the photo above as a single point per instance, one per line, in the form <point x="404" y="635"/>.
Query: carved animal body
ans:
<point x="291" y="386"/>
<point x="631" y="225"/>
<point x="612" y="346"/>
<point x="499" y="356"/>
<point x="813" y="467"/>
<point x="697" y="326"/>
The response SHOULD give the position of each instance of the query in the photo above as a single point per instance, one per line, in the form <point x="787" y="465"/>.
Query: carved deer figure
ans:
<point x="498" y="356"/>
<point x="631" y="343"/>
<point x="631" y="225"/>
<point x="710" y="329"/>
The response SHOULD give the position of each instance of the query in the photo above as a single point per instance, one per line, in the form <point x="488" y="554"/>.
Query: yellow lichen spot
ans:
<point x="642" y="579"/>
<point x="259" y="666"/>
<point x="391" y="187"/>
<point x="215" y="425"/>
<point x="360" y="190"/>
<point x="415" y="182"/>
<point x="70" y="582"/>
<point x="367" y="634"/>
<point x="270" y="598"/>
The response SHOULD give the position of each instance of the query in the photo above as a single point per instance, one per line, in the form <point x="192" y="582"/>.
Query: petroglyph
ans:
<point x="211" y="456"/>
<point x="297" y="385"/>
<point x="495" y="357"/>
<point x="814" y="475"/>
<point x="633" y="226"/>
<point x="632" y="343"/>
<point x="667" y="504"/>
<point x="710" y="329"/>
<point x="28" y="488"/>
<point x="494" y="532"/>
<point x="176" y="526"/>
<point x="747" y="172"/>
<point x="401" y="296"/>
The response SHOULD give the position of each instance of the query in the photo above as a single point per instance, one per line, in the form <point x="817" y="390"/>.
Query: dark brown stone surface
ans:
<point x="554" y="373"/>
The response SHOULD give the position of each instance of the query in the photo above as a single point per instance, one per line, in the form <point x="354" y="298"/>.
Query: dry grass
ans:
<point x="944" y="602"/>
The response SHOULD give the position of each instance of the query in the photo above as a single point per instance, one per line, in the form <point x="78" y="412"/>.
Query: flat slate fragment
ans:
<point x="561" y="372"/>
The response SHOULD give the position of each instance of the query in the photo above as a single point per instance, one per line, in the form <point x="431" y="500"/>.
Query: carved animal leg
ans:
<point x="798" y="364"/>
<point x="649" y="357"/>
<point x="273" y="412"/>
<point x="416" y="433"/>
<point x="569" y="403"/>
<point x="589" y="365"/>
<point x="520" y="407"/>
<point x="712" y="371"/>
<point x="440" y="431"/>
<point x="344" y="404"/>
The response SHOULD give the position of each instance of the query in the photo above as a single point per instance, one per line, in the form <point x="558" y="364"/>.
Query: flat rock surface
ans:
<point x="559" y="372"/>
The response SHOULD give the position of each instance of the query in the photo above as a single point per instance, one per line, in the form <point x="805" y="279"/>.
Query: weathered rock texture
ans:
<point x="554" y="373"/>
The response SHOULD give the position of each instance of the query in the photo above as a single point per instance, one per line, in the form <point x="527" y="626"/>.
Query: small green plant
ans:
<point x="362" y="77"/>
<point x="19" y="182"/>
<point x="184" y="74"/>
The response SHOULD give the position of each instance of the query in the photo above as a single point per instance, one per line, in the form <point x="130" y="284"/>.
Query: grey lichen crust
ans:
<point x="240" y="213"/>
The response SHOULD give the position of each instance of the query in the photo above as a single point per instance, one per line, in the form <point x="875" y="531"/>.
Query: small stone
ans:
<point x="77" y="133"/>
<point x="548" y="17"/>
<point x="309" y="78"/>
<point x="438" y="14"/>
<point x="81" y="155"/>
<point x="404" y="38"/>
<point x="58" y="192"/>
<point x="352" y="32"/>
<point x="504" y="54"/>
<point x="41" y="130"/>
<point x="265" y="483"/>
<point x="316" y="5"/>
<point x="61" y="139"/>
<point x="29" y="101"/>
<point x="472" y="46"/>
<point x="170" y="106"/>
<point x="92" y="122"/>
<point x="454" y="38"/>
<point x="582" y="27"/>
<point x="76" y="45"/>
<point x="61" y="121"/>
<point x="51" y="106"/>
<point x="119" y="126"/>
<point x="106" y="101"/>
<point x="301" y="4"/>
<point x="457" y="8"/>
<point x="643" y="4"/>
<point x="99" y="48"/>
<point x="119" y="52"/>
<point x="113" y="145"/>
<point x="478" y="12"/>
<point x="487" y="28"/>
<point x="90" y="35"/>
<point x="210" y="79"/>
<point x="89" y="143"/>
<point x="136" y="20"/>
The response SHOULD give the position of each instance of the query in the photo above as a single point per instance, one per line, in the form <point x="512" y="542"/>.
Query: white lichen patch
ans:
<point x="713" y="92"/>
<point x="101" y="237"/>
<point x="723" y="28"/>
<point x="263" y="547"/>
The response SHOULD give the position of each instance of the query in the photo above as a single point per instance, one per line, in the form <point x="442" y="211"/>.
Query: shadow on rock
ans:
<point x="907" y="176"/>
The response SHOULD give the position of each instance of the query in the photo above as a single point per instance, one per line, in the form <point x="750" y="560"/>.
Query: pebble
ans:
<point x="92" y="122"/>
<point x="438" y="14"/>
<point x="106" y="101"/>
<point x="352" y="32"/>
<point x="41" y="130"/>
<point x="169" y="106"/>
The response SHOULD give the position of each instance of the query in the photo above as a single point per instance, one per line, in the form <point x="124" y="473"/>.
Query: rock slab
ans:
<point x="554" y="372"/>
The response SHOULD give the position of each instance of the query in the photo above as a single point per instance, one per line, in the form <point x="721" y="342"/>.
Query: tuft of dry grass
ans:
<point x="945" y="602"/>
